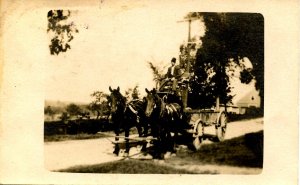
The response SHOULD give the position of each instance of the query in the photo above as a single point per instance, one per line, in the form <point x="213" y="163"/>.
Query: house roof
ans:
<point x="245" y="94"/>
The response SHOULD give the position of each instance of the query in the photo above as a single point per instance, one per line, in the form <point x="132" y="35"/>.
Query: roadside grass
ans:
<point x="242" y="117"/>
<point x="244" y="151"/>
<point x="66" y="137"/>
<point x="129" y="167"/>
<point x="55" y="138"/>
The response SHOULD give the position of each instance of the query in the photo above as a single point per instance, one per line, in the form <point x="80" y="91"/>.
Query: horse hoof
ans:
<point x="139" y="148"/>
<point x="116" y="153"/>
<point x="147" y="156"/>
<point x="167" y="155"/>
<point x="121" y="152"/>
<point x="125" y="154"/>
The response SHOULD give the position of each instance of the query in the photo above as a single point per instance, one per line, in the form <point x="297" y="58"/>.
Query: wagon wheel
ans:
<point x="198" y="136"/>
<point x="221" y="127"/>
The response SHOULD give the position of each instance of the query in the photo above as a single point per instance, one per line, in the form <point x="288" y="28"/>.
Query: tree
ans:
<point x="132" y="93"/>
<point x="228" y="37"/>
<point x="188" y="52"/>
<point x="157" y="73"/>
<point x="60" y="30"/>
<point x="99" y="104"/>
<point x="64" y="116"/>
<point x="49" y="111"/>
<point x="73" y="110"/>
<point x="135" y="93"/>
<point x="128" y="94"/>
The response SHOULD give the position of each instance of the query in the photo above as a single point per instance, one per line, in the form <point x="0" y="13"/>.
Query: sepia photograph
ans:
<point x="188" y="100"/>
<point x="146" y="90"/>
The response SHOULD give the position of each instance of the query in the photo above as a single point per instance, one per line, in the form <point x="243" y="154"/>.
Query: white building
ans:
<point x="244" y="96"/>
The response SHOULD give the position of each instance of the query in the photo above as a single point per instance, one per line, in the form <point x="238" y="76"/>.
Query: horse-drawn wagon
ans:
<point x="196" y="119"/>
<point x="166" y="110"/>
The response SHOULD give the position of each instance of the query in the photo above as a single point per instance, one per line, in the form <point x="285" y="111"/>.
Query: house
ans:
<point x="244" y="97"/>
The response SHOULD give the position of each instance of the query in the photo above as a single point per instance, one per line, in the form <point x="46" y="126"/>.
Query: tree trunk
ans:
<point x="98" y="114"/>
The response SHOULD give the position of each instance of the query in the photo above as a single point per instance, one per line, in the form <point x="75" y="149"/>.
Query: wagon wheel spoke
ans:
<point x="199" y="136"/>
<point x="221" y="128"/>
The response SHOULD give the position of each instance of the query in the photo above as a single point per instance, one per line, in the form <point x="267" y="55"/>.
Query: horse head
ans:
<point x="117" y="101"/>
<point x="151" y="100"/>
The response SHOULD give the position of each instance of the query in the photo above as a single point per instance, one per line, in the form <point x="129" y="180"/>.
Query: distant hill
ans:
<point x="60" y="106"/>
<point x="57" y="103"/>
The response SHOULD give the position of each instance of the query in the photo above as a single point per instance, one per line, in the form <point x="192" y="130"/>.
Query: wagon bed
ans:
<point x="198" y="119"/>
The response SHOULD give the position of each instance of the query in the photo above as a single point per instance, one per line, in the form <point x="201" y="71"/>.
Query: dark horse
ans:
<point x="165" y="118"/>
<point x="125" y="116"/>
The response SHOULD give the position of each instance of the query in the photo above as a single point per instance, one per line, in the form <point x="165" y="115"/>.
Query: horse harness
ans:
<point x="170" y="109"/>
<point x="132" y="108"/>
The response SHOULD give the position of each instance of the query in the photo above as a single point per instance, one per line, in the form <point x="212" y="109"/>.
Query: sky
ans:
<point x="113" y="48"/>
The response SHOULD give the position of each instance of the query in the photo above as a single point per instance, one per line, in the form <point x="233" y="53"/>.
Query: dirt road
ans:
<point x="60" y="155"/>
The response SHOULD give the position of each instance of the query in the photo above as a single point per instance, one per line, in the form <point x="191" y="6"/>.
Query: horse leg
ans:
<point x="157" y="144"/>
<point x="158" y="148"/>
<point x="144" y="146"/>
<point x="144" y="143"/>
<point x="127" y="147"/>
<point x="175" y="138"/>
<point x="139" y="129"/>
<point x="172" y="143"/>
<point x="117" y="147"/>
<point x="169" y="143"/>
<point x="146" y="128"/>
<point x="164" y="142"/>
<point x="141" y="134"/>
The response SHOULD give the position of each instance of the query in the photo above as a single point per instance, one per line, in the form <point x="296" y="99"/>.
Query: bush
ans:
<point x="55" y="127"/>
<point x="90" y="126"/>
<point x="251" y="112"/>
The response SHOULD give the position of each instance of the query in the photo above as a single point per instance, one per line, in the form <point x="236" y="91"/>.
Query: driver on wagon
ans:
<point x="173" y="74"/>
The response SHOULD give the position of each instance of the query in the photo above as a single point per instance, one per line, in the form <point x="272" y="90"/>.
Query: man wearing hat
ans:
<point x="173" y="74"/>
<point x="173" y="70"/>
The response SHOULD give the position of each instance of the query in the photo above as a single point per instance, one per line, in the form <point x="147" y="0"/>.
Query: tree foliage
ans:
<point x="50" y="111"/>
<point x="99" y="103"/>
<point x="135" y="93"/>
<point x="64" y="116"/>
<point x="73" y="110"/>
<point x="156" y="71"/>
<point x="132" y="93"/>
<point x="60" y="30"/>
<point x="228" y="37"/>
